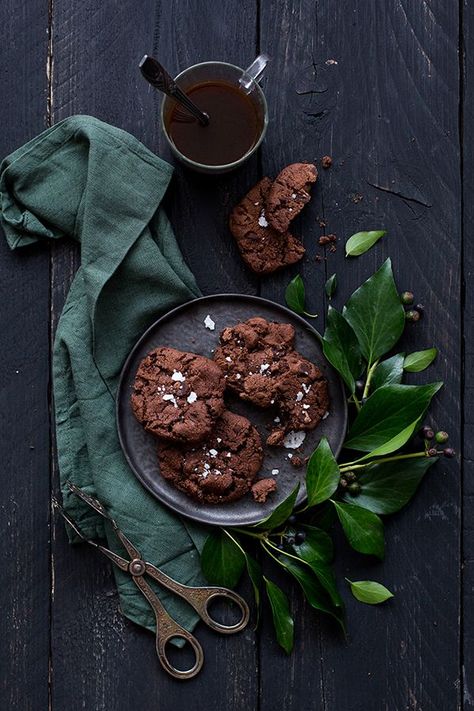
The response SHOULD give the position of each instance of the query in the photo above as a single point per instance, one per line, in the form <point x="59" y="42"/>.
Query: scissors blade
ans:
<point x="101" y="510"/>
<point x="118" y="560"/>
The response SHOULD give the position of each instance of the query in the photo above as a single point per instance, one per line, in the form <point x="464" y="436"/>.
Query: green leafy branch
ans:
<point x="378" y="474"/>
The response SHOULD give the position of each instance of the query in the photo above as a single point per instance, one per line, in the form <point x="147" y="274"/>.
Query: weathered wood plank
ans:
<point x="24" y="438"/>
<point x="467" y="59"/>
<point x="99" y="660"/>
<point x="375" y="85"/>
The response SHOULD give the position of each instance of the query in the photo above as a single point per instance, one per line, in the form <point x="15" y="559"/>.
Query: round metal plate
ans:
<point x="184" y="329"/>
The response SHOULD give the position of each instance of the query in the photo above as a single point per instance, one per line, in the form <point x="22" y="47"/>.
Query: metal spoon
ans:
<point x="158" y="77"/>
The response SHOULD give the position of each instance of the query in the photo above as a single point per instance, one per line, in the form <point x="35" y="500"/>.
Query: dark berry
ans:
<point x="360" y="386"/>
<point x="407" y="298"/>
<point x="292" y="519"/>
<point x="291" y="540"/>
<point x="350" y="476"/>
<point x="449" y="452"/>
<point x="420" y="308"/>
<point x="354" y="488"/>
<point x="343" y="483"/>
<point x="441" y="437"/>
<point x="281" y="547"/>
<point x="427" y="432"/>
<point x="300" y="537"/>
<point x="412" y="315"/>
<point x="432" y="452"/>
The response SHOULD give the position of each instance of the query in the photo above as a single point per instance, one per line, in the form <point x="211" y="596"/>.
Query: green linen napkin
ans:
<point x="96" y="184"/>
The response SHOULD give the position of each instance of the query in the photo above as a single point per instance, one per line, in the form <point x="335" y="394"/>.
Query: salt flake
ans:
<point x="293" y="440"/>
<point x="299" y="396"/>
<point x="171" y="398"/>
<point x="209" y="323"/>
<point x="275" y="472"/>
<point x="192" y="397"/>
<point x="262" y="220"/>
<point x="178" y="376"/>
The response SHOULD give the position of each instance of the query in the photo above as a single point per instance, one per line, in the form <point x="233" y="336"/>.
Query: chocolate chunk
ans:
<point x="178" y="396"/>
<point x="262" y="248"/>
<point x="262" y="488"/>
<point x="326" y="161"/>
<point x="289" y="194"/>
<point x="221" y="469"/>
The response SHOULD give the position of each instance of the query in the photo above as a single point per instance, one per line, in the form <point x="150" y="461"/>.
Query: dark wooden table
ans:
<point x="386" y="89"/>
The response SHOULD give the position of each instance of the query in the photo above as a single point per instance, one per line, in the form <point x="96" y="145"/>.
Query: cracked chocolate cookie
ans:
<point x="219" y="470"/>
<point x="262" y="248"/>
<point x="178" y="396"/>
<point x="288" y="194"/>
<point x="263" y="368"/>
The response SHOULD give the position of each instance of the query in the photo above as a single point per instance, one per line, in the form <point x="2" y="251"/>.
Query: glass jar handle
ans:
<point x="253" y="73"/>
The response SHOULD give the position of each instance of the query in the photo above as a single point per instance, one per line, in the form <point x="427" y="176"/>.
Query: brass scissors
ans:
<point x="198" y="597"/>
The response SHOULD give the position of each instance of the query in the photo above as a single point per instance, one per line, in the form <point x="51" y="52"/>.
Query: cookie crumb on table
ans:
<point x="326" y="161"/>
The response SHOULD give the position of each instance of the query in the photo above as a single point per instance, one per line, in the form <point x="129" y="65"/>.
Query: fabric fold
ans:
<point x="98" y="185"/>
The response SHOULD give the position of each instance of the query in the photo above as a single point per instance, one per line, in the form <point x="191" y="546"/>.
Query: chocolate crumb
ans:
<point x="333" y="248"/>
<point x="296" y="462"/>
<point x="318" y="258"/>
<point x="357" y="197"/>
<point x="327" y="239"/>
<point x="322" y="223"/>
<point x="326" y="161"/>
<point x="262" y="488"/>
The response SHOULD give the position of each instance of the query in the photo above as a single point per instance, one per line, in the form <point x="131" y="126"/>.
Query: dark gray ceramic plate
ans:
<point x="184" y="328"/>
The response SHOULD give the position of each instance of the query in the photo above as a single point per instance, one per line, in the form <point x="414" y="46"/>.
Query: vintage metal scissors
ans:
<point x="198" y="597"/>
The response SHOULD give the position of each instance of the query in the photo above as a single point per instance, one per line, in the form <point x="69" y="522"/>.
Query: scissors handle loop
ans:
<point x="200" y="599"/>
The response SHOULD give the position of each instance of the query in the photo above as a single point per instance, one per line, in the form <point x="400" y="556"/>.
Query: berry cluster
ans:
<point x="412" y="313"/>
<point x="432" y="439"/>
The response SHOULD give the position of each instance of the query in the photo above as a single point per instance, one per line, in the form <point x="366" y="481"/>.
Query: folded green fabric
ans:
<point x="96" y="184"/>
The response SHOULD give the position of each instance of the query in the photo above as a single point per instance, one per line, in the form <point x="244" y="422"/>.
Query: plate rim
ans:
<point x="165" y="317"/>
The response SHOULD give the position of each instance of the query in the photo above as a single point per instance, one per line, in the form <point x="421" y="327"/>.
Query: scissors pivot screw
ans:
<point x="137" y="566"/>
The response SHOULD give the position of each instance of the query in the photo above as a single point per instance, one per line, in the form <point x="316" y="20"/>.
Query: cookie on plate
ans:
<point x="219" y="470"/>
<point x="262" y="248"/>
<point x="288" y="194"/>
<point x="178" y="396"/>
<point x="263" y="368"/>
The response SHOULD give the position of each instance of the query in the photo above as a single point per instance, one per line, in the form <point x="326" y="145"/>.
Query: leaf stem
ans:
<point x="260" y="536"/>
<point x="310" y="315"/>
<point x="349" y="466"/>
<point x="370" y="373"/>
<point x="356" y="402"/>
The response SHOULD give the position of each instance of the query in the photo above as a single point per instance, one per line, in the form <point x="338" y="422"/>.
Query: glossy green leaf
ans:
<point x="387" y="372"/>
<point x="363" y="529"/>
<point x="341" y="348"/>
<point x="317" y="546"/>
<point x="281" y="512"/>
<point x="325" y="575"/>
<point x="295" y="295"/>
<point x="390" y="410"/>
<point x="392" y="444"/>
<point x="322" y="474"/>
<point x="314" y="592"/>
<point x="388" y="486"/>
<point x="416" y="362"/>
<point x="370" y="592"/>
<point x="362" y="241"/>
<point x="331" y="286"/>
<point x="222" y="560"/>
<point x="253" y="569"/>
<point x="375" y="313"/>
<point x="282" y="619"/>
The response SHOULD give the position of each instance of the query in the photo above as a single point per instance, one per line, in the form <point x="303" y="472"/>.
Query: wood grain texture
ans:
<point x="24" y="432"/>
<point x="467" y="114"/>
<point x="100" y="661"/>
<point x="375" y="85"/>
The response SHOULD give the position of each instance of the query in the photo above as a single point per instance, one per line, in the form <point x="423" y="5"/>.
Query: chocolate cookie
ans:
<point x="262" y="248"/>
<point x="288" y="194"/>
<point x="263" y="368"/>
<point x="221" y="469"/>
<point x="178" y="396"/>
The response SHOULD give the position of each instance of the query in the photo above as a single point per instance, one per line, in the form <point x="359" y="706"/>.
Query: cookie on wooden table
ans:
<point x="288" y="194"/>
<point x="219" y="470"/>
<point x="178" y="396"/>
<point x="262" y="248"/>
